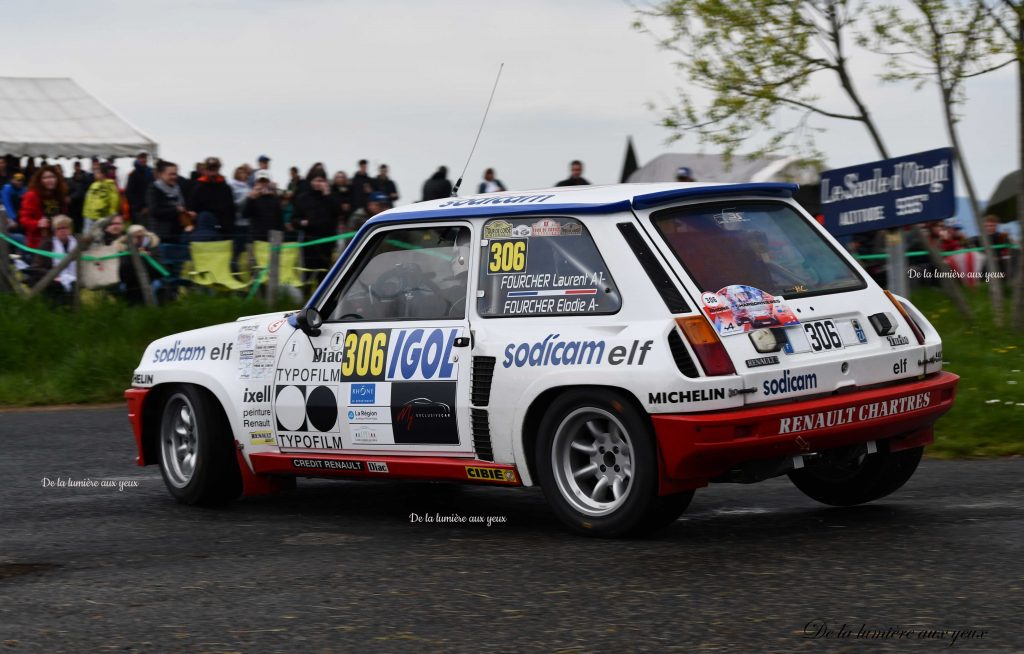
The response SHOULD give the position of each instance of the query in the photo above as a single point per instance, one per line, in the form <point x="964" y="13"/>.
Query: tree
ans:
<point x="1008" y="16"/>
<point x="757" y="59"/>
<point x="947" y="45"/>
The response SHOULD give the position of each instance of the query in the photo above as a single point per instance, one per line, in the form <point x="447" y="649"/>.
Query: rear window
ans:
<point x="765" y="245"/>
<point x="542" y="267"/>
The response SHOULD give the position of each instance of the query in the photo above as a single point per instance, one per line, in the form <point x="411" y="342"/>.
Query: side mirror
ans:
<point x="309" y="321"/>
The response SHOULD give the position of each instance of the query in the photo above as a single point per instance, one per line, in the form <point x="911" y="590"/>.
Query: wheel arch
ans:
<point x="151" y="414"/>
<point x="529" y="433"/>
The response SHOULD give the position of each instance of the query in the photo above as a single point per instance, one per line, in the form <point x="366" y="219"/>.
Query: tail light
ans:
<point x="906" y="316"/>
<point x="706" y="345"/>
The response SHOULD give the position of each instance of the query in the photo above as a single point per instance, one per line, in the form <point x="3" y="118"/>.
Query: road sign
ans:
<point x="889" y="193"/>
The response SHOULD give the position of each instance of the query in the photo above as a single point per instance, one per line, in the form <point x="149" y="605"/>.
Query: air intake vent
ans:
<point x="655" y="271"/>
<point x="681" y="355"/>
<point x="481" y="434"/>
<point x="483" y="373"/>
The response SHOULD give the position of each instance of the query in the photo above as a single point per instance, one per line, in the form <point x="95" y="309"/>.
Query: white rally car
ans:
<point x="619" y="346"/>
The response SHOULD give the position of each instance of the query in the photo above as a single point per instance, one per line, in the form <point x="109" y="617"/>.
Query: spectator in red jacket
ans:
<point x="46" y="198"/>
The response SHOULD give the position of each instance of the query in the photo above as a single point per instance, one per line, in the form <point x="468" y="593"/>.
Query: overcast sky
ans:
<point x="405" y="83"/>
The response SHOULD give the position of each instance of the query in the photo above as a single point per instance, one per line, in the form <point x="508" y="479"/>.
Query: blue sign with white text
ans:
<point x="889" y="193"/>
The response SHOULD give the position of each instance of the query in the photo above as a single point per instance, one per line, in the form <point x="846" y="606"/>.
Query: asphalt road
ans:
<point x="338" y="566"/>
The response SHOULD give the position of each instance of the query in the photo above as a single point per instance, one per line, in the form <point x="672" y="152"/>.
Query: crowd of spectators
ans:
<point x="165" y="210"/>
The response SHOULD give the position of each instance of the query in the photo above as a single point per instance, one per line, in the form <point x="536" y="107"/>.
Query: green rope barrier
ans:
<point x="922" y="253"/>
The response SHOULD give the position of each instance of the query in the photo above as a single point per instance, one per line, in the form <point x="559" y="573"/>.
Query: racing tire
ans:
<point x="597" y="464"/>
<point x="195" y="450"/>
<point x="872" y="478"/>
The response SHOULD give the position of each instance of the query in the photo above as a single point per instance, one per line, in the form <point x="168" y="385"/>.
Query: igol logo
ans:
<point x="422" y="354"/>
<point x="789" y="383"/>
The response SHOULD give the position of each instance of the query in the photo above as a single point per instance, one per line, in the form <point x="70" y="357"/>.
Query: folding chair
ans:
<point x="211" y="266"/>
<point x="288" y="273"/>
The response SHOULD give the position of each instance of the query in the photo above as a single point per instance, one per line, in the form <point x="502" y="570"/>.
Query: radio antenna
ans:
<point x="455" y="189"/>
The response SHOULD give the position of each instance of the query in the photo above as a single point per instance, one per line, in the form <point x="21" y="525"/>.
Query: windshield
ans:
<point x="766" y="245"/>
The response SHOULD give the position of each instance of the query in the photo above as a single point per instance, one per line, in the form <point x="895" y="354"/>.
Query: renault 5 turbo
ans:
<point x="619" y="346"/>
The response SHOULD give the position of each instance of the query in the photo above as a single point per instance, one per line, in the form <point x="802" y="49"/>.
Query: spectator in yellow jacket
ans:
<point x="102" y="200"/>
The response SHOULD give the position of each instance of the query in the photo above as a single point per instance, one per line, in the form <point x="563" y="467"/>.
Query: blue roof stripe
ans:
<point x="469" y="211"/>
<point x="776" y="189"/>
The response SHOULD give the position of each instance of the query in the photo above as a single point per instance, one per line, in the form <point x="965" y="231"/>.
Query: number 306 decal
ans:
<point x="506" y="257"/>
<point x="823" y="335"/>
<point x="399" y="355"/>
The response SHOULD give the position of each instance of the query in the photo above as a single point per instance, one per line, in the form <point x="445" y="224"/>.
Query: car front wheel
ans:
<point x="197" y="460"/>
<point x="598" y="466"/>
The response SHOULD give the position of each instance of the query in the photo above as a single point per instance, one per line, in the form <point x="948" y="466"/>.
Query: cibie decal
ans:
<point x="738" y="309"/>
<point x="553" y="352"/>
<point x="789" y="383"/>
<point x="499" y="475"/>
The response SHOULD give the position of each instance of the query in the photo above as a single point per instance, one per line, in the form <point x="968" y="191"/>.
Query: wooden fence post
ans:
<point x="52" y="274"/>
<point x="9" y="274"/>
<point x="140" y="273"/>
<point x="274" y="265"/>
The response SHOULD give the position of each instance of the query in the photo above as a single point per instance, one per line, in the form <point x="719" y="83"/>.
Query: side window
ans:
<point x="542" y="267"/>
<point x="406" y="274"/>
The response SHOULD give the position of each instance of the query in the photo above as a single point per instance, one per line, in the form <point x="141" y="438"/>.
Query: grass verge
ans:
<point x="53" y="356"/>
<point x="988" y="416"/>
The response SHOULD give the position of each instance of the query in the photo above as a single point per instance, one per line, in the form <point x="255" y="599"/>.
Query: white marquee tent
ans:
<point x="55" y="117"/>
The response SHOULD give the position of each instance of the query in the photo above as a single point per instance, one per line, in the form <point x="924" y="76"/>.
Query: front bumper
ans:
<point x="695" y="448"/>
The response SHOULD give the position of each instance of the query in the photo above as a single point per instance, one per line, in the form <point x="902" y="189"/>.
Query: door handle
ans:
<point x="461" y="341"/>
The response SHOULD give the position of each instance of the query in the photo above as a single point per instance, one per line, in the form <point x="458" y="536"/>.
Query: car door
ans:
<point x="389" y="370"/>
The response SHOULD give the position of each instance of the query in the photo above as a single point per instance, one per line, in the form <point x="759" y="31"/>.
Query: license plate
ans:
<point x="823" y="336"/>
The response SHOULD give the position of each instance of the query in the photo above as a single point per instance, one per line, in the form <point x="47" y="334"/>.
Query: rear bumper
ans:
<point x="698" y="447"/>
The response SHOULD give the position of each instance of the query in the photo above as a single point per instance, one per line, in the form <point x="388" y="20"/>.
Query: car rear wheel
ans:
<point x="598" y="466"/>
<point x="197" y="460"/>
<point x="855" y="481"/>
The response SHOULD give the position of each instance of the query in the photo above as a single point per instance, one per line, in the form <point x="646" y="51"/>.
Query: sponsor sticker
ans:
<point x="368" y="414"/>
<point x="363" y="394"/>
<point x="853" y="414"/>
<point x="262" y="437"/>
<point x="424" y="413"/>
<point x="276" y="325"/>
<point x="328" y="464"/>
<point x="309" y="441"/>
<point x="897" y="341"/>
<point x="258" y="418"/>
<point x="372" y="435"/>
<point x="679" y="397"/>
<point x="546" y="227"/>
<point x="738" y="309"/>
<point x="377" y="466"/>
<point x="572" y="229"/>
<point x="552" y="351"/>
<point x="142" y="379"/>
<point x="789" y="383"/>
<point x="498" y="229"/>
<point x="502" y="476"/>
<point x="762" y="361"/>
<point x="305" y="408"/>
